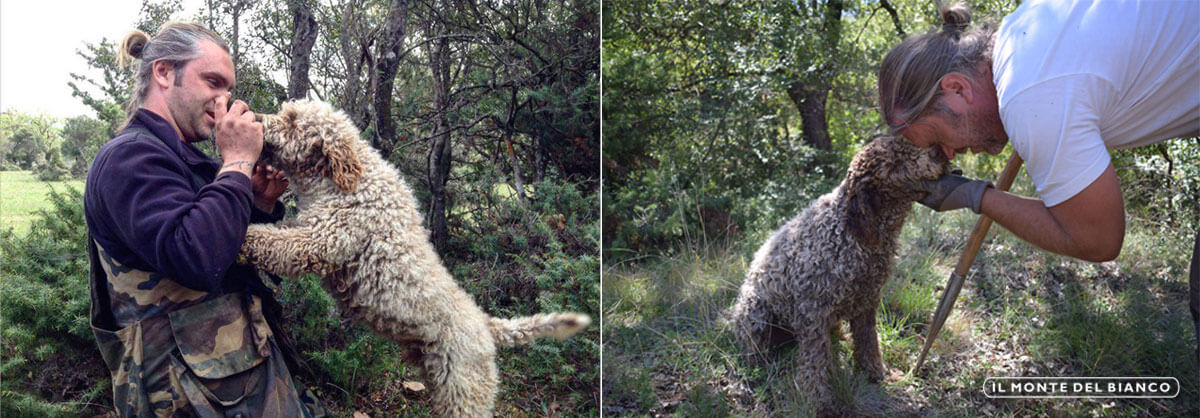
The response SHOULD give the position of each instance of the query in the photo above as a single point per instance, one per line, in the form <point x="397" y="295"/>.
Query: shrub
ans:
<point x="538" y="256"/>
<point x="48" y="350"/>
<point x="54" y="169"/>
<point x="1162" y="183"/>
<point x="656" y="209"/>
<point x="340" y="359"/>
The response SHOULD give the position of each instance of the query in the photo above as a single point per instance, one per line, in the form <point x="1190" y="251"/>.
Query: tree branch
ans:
<point x="895" y="17"/>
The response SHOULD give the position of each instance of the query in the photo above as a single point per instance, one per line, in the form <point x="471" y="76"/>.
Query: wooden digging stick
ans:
<point x="964" y="263"/>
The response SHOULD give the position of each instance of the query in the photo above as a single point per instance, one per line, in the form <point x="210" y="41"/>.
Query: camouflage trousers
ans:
<point x="215" y="359"/>
<point x="211" y="356"/>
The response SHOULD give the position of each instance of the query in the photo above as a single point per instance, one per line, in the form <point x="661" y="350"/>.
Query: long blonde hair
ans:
<point x="910" y="73"/>
<point x="176" y="43"/>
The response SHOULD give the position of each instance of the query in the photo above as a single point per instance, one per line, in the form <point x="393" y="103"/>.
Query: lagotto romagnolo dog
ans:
<point x="830" y="263"/>
<point x="359" y="227"/>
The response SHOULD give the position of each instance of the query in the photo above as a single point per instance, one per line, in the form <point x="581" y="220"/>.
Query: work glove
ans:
<point x="953" y="191"/>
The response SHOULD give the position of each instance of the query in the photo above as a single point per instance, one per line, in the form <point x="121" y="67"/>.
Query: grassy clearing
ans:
<point x="1022" y="312"/>
<point x="22" y="195"/>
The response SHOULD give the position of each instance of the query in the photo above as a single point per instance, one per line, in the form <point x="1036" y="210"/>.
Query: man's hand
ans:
<point x="268" y="184"/>
<point x="238" y="136"/>
<point x="953" y="191"/>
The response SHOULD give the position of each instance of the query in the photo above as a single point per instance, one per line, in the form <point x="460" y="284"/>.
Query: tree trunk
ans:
<point x="811" y="92"/>
<point x="304" y="35"/>
<point x="353" y="50"/>
<point x="439" y="150"/>
<point x="518" y="182"/>
<point x="237" y="18"/>
<point x="540" y="159"/>
<point x="810" y="101"/>
<point x="387" y="61"/>
<point x="235" y="8"/>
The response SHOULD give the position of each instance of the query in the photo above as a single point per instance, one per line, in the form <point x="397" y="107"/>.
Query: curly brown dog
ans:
<point x="359" y="227"/>
<point x="830" y="262"/>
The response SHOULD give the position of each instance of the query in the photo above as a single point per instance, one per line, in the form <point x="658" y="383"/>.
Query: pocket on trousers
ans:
<point x="216" y="339"/>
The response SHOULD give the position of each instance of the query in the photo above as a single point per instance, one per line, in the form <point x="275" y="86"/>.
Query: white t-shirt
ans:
<point x="1075" y="79"/>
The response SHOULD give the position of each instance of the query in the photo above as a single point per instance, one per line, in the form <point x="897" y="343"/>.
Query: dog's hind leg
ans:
<point x="424" y="308"/>
<point x="460" y="368"/>
<point x="750" y="321"/>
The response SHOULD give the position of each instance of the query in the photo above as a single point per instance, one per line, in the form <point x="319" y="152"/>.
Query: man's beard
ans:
<point x="190" y="118"/>
<point x="980" y="127"/>
<point x="976" y="130"/>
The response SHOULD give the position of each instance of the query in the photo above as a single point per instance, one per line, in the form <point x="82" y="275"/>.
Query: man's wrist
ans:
<point x="244" y="166"/>
<point x="979" y="188"/>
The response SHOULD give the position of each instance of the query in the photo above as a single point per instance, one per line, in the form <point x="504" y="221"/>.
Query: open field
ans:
<point x="22" y="194"/>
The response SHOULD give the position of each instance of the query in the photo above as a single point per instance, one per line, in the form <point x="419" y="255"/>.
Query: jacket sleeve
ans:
<point x="188" y="236"/>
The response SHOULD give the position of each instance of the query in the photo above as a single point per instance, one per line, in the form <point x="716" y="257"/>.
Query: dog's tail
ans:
<point x="514" y="331"/>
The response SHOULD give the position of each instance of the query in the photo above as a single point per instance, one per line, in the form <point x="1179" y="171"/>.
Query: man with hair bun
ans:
<point x="180" y="326"/>
<point x="1064" y="81"/>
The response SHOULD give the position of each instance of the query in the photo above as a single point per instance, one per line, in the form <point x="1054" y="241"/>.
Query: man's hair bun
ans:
<point x="132" y="47"/>
<point x="955" y="17"/>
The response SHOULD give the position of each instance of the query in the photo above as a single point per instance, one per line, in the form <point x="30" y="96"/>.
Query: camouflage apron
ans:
<point x="173" y="351"/>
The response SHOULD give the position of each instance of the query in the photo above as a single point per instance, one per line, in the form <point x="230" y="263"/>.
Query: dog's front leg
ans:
<point x="286" y="251"/>
<point x="866" y="345"/>
<point x="814" y="360"/>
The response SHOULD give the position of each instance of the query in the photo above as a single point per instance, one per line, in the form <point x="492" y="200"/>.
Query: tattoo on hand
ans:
<point x="239" y="163"/>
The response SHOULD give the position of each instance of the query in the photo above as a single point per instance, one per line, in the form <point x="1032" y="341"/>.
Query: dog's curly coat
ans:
<point x="830" y="262"/>
<point x="358" y="226"/>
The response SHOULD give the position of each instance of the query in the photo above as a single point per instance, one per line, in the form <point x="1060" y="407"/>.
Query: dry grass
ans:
<point x="1021" y="313"/>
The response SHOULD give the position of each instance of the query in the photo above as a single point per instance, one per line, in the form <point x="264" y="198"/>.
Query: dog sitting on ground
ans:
<point x="830" y="263"/>
<point x="359" y="228"/>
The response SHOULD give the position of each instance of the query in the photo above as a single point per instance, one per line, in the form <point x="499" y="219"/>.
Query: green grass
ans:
<point x="22" y="195"/>
<point x="1022" y="312"/>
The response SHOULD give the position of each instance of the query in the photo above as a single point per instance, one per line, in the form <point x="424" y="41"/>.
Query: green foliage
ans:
<point x="1118" y="334"/>
<point x="82" y="138"/>
<point x="309" y="310"/>
<point x="666" y="350"/>
<point x="342" y="360"/>
<point x="545" y="246"/>
<point x="524" y="76"/>
<point x="26" y="141"/>
<point x="526" y="257"/>
<point x="18" y="404"/>
<point x="54" y="169"/>
<point x="703" y="114"/>
<point x="627" y="389"/>
<point x="367" y="363"/>
<point x="114" y="87"/>
<point x="1147" y="172"/>
<point x="47" y="344"/>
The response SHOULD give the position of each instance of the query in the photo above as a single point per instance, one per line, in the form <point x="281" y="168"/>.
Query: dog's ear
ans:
<point x="862" y="218"/>
<point x="343" y="165"/>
